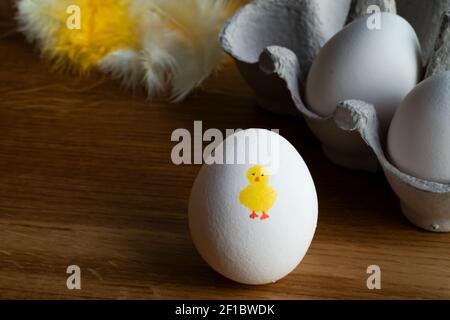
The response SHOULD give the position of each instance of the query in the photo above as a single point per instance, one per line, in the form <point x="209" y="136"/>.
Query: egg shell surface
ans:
<point x="378" y="66"/>
<point x="419" y="136"/>
<point x="246" y="250"/>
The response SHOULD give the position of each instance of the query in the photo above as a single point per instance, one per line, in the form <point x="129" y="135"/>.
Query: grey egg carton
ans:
<point x="274" y="43"/>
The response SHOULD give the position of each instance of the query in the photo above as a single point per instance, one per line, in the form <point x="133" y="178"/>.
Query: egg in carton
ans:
<point x="415" y="155"/>
<point x="299" y="60"/>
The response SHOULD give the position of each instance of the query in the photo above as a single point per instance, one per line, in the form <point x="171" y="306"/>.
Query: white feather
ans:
<point x="125" y="65"/>
<point x="31" y="16"/>
<point x="180" y="43"/>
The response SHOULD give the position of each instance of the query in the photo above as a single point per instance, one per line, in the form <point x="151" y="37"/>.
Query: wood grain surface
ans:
<point x="86" y="178"/>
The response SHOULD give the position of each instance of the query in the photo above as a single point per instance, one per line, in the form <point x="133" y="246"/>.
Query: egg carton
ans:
<point x="274" y="43"/>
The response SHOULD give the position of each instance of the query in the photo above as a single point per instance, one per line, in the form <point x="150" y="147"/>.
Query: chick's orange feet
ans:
<point x="253" y="215"/>
<point x="264" y="216"/>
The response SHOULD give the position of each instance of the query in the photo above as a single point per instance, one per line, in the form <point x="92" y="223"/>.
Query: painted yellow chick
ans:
<point x="258" y="196"/>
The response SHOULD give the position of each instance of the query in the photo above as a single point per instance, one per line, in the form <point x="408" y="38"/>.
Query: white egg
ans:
<point x="254" y="223"/>
<point x="419" y="136"/>
<point x="378" y="66"/>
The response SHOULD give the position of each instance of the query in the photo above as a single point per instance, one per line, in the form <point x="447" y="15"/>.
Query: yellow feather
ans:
<point x="106" y="26"/>
<point x="170" y="44"/>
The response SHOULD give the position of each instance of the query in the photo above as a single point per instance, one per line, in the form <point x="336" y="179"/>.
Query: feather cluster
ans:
<point x="171" y="46"/>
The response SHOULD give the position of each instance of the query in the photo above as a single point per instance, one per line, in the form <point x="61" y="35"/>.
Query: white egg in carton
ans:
<point x="297" y="59"/>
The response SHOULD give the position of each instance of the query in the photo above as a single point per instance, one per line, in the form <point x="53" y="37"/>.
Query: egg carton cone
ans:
<point x="439" y="60"/>
<point x="425" y="17"/>
<point x="359" y="8"/>
<point x="274" y="43"/>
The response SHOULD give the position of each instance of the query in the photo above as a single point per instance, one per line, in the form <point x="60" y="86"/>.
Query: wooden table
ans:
<point x="87" y="179"/>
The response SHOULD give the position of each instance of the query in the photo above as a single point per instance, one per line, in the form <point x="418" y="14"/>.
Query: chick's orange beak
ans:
<point x="257" y="179"/>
